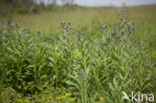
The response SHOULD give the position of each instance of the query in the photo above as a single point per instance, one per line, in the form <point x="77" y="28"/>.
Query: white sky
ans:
<point x="110" y="2"/>
<point x="114" y="2"/>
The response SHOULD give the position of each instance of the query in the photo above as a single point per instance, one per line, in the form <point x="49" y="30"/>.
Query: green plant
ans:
<point x="94" y="68"/>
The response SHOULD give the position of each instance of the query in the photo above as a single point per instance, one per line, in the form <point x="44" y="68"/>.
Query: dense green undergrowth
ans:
<point x="73" y="66"/>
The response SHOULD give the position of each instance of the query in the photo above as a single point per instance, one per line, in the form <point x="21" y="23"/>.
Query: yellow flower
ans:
<point x="12" y="89"/>
<point x="49" y="97"/>
<point x="72" y="99"/>
<point x="154" y="56"/>
<point x="58" y="98"/>
<point x="21" y="101"/>
<point x="77" y="53"/>
<point x="61" y="97"/>
<point x="26" y="101"/>
<point x="100" y="98"/>
<point x="58" y="54"/>
<point x="67" y="94"/>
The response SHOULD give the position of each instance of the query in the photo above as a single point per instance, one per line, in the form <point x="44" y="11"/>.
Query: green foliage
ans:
<point x="21" y="11"/>
<point x="23" y="57"/>
<point x="94" y="68"/>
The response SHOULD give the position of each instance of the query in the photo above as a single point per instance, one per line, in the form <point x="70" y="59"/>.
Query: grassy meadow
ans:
<point x="84" y="19"/>
<point x="78" y="55"/>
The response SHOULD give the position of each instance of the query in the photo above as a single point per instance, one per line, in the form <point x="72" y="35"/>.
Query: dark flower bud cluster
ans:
<point x="108" y="39"/>
<point x="133" y="27"/>
<point x="66" y="26"/>
<point x="39" y="33"/>
<point x="117" y="37"/>
<point x="79" y="35"/>
<point x="51" y="41"/>
<point x="132" y="72"/>
<point x="105" y="28"/>
<point x="102" y="44"/>
<point x="123" y="16"/>
<point x="9" y="21"/>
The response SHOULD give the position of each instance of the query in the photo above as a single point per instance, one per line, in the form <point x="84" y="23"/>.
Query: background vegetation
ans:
<point x="90" y="57"/>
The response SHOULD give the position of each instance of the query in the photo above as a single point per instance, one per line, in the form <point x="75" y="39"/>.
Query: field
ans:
<point x="78" y="55"/>
<point x="84" y="19"/>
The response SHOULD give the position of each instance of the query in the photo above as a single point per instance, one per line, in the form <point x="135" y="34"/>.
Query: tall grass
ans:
<point x="73" y="66"/>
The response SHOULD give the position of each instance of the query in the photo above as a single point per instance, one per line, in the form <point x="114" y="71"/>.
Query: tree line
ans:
<point x="29" y="6"/>
<point x="18" y="2"/>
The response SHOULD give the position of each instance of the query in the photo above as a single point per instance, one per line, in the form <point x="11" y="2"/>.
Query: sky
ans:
<point x="108" y="2"/>
<point x="114" y="2"/>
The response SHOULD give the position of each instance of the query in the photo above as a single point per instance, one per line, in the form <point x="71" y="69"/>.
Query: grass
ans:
<point x="86" y="18"/>
<point x="81" y="61"/>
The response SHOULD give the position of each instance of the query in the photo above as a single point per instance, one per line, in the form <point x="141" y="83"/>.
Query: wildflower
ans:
<point x="67" y="94"/>
<point x="113" y="33"/>
<point x="124" y="39"/>
<point x="129" y="26"/>
<point x="39" y="33"/>
<point x="26" y="101"/>
<point x="131" y="45"/>
<point x="9" y="20"/>
<point x="154" y="56"/>
<point x="69" y="23"/>
<point x="12" y="89"/>
<point x="132" y="71"/>
<point x="133" y="27"/>
<point x="101" y="99"/>
<point x="17" y="25"/>
<point x="49" y="97"/>
<point x="105" y="28"/>
<point x="19" y="100"/>
<point x="102" y="44"/>
<point x="139" y="42"/>
<point x="84" y="77"/>
<point x="60" y="97"/>
<point x="117" y="37"/>
<point x="79" y="35"/>
<point x="63" y="22"/>
<point x="58" y="54"/>
<point x="52" y="41"/>
<point x="23" y="101"/>
<point x="27" y="36"/>
<point x="80" y="72"/>
<point x="72" y="99"/>
<point x="78" y="53"/>
<point x="108" y="39"/>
